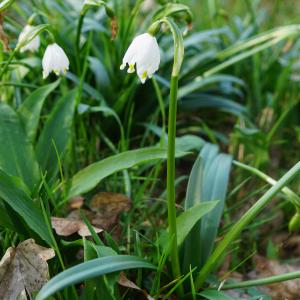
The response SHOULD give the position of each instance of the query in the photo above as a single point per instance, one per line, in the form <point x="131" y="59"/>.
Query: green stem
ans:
<point x="291" y="196"/>
<point x="12" y="55"/>
<point x="262" y="281"/>
<point x="78" y="34"/>
<point x="171" y="176"/>
<point x="178" y="58"/>
<point x="242" y="223"/>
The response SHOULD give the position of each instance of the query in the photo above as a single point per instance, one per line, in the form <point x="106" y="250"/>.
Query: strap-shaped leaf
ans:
<point x="90" y="269"/>
<point x="88" y="178"/>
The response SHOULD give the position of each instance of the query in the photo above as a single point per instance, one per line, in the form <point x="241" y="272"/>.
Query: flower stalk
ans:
<point x="171" y="195"/>
<point x="171" y="176"/>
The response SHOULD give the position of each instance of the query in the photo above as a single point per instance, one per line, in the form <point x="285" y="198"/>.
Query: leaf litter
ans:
<point x="24" y="270"/>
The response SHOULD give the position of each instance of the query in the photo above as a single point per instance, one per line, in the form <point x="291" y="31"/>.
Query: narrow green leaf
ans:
<point x="30" y="109"/>
<point x="17" y="156"/>
<point x="57" y="130"/>
<point x="91" y="269"/>
<point x="20" y="201"/>
<point x="88" y="178"/>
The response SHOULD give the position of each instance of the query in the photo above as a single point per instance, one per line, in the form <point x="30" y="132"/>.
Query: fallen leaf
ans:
<point x="68" y="226"/>
<point x="76" y="202"/>
<point x="124" y="281"/>
<point x="289" y="290"/>
<point x="24" y="270"/>
<point x="108" y="207"/>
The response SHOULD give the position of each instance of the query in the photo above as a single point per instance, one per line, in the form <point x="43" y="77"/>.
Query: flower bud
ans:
<point x="294" y="224"/>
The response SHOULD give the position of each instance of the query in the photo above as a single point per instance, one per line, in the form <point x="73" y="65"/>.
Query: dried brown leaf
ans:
<point x="24" y="269"/>
<point x="108" y="207"/>
<point x="124" y="281"/>
<point x="67" y="227"/>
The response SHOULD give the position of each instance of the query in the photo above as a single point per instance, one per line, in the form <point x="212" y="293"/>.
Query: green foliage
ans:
<point x="98" y="129"/>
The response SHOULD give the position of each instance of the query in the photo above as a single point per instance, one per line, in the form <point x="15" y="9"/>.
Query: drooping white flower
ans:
<point x="55" y="60"/>
<point x="143" y="53"/>
<point x="33" y="45"/>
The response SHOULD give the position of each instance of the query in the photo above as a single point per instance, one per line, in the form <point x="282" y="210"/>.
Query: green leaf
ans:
<point x="30" y="109"/>
<point x="57" y="130"/>
<point x="86" y="179"/>
<point x="12" y="193"/>
<point x="214" y="187"/>
<point x="187" y="220"/>
<point x="17" y="157"/>
<point x="91" y="269"/>
<point x="208" y="181"/>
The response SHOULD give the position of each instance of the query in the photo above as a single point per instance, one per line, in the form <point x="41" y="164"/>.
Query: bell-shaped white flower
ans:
<point x="33" y="45"/>
<point x="143" y="53"/>
<point x="55" y="60"/>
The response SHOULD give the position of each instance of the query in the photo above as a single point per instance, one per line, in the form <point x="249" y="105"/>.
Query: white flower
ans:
<point x="55" y="60"/>
<point x="144" y="53"/>
<point x="33" y="45"/>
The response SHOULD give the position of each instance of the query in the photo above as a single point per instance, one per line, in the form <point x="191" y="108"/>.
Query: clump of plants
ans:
<point x="155" y="183"/>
